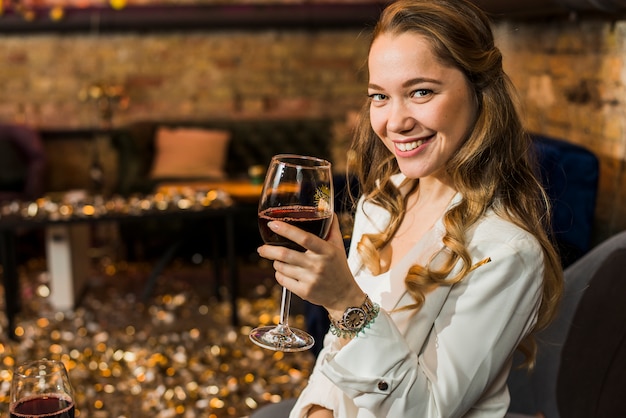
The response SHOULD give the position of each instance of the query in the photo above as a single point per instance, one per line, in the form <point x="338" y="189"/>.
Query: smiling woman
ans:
<point x="449" y="240"/>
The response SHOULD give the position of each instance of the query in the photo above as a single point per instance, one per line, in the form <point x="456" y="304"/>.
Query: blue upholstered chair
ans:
<point x="569" y="173"/>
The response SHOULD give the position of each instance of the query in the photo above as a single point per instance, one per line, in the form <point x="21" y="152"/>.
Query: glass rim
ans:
<point x="22" y="368"/>
<point x="284" y="159"/>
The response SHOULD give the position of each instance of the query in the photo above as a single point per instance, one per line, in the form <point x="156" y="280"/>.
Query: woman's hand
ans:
<point x="321" y="274"/>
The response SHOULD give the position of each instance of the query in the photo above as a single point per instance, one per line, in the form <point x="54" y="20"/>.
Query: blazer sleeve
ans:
<point x="464" y="359"/>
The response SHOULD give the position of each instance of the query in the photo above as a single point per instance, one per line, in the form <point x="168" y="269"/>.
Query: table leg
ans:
<point x="217" y="265"/>
<point x="233" y="276"/>
<point x="68" y="263"/>
<point x="10" y="278"/>
<point x="158" y="269"/>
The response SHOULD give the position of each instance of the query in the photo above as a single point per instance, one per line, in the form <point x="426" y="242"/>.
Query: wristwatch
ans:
<point x="355" y="319"/>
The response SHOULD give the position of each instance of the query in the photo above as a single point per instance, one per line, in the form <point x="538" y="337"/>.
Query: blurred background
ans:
<point x="95" y="81"/>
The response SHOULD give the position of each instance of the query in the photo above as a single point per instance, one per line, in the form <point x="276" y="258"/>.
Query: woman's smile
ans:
<point x="410" y="145"/>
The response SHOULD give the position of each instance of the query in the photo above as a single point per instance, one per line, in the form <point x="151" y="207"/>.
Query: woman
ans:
<point x="449" y="239"/>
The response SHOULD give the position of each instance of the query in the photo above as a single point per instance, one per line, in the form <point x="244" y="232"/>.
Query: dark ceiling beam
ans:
<point x="266" y="16"/>
<point x="206" y="17"/>
<point x="529" y="9"/>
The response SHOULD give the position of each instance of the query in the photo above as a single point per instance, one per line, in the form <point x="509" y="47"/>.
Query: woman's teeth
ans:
<point x="408" y="146"/>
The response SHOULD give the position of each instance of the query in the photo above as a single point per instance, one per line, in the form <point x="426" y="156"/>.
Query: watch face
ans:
<point x="354" y="318"/>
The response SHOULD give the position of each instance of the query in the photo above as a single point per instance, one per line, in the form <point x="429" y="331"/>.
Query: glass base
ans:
<point x="281" y="338"/>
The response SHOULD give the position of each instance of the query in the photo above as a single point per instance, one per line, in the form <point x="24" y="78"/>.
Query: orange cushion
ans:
<point x="190" y="153"/>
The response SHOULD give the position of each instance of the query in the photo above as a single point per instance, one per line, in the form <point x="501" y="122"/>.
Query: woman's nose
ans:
<point x="400" y="118"/>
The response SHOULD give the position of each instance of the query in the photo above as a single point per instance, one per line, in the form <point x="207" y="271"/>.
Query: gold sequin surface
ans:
<point x="174" y="356"/>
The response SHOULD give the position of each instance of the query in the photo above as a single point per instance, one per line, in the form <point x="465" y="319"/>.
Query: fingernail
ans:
<point x="273" y="225"/>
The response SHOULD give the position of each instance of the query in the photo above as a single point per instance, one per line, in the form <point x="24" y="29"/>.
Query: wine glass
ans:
<point x="297" y="190"/>
<point x="41" y="388"/>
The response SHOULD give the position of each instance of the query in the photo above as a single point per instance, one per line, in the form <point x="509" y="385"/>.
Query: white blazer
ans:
<point x="450" y="359"/>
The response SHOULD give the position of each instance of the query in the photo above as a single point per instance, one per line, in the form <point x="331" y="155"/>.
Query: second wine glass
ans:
<point x="41" y="388"/>
<point x="297" y="190"/>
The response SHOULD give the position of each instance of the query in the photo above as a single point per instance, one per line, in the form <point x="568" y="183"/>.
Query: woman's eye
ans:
<point x="377" y="97"/>
<point x="422" y="93"/>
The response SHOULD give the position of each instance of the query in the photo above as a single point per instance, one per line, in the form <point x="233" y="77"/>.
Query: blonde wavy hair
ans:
<point x="493" y="169"/>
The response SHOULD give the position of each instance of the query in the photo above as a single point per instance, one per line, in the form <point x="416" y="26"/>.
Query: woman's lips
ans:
<point x="411" y="145"/>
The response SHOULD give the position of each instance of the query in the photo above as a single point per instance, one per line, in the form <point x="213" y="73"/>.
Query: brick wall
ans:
<point x="570" y="76"/>
<point x="182" y="75"/>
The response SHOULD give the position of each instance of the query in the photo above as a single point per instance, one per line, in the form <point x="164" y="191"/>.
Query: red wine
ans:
<point x="307" y="218"/>
<point x="49" y="406"/>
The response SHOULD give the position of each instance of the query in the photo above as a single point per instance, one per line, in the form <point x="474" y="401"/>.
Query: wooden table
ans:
<point x="65" y="239"/>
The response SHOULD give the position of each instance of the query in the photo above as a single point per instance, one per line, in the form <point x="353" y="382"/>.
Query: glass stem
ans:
<point x="284" y="308"/>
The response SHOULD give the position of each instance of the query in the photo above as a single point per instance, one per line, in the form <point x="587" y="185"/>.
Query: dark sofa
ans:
<point x="253" y="142"/>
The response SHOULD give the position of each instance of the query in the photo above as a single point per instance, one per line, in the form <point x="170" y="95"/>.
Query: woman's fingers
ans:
<point x="295" y="283"/>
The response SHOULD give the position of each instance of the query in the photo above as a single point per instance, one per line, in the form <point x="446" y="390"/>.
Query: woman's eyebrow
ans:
<point x="409" y="83"/>
<point x="419" y="80"/>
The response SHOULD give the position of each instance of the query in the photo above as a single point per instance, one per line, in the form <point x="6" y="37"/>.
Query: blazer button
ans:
<point x="382" y="385"/>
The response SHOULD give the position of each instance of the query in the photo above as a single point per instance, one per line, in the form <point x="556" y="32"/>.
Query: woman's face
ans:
<point x="421" y="109"/>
